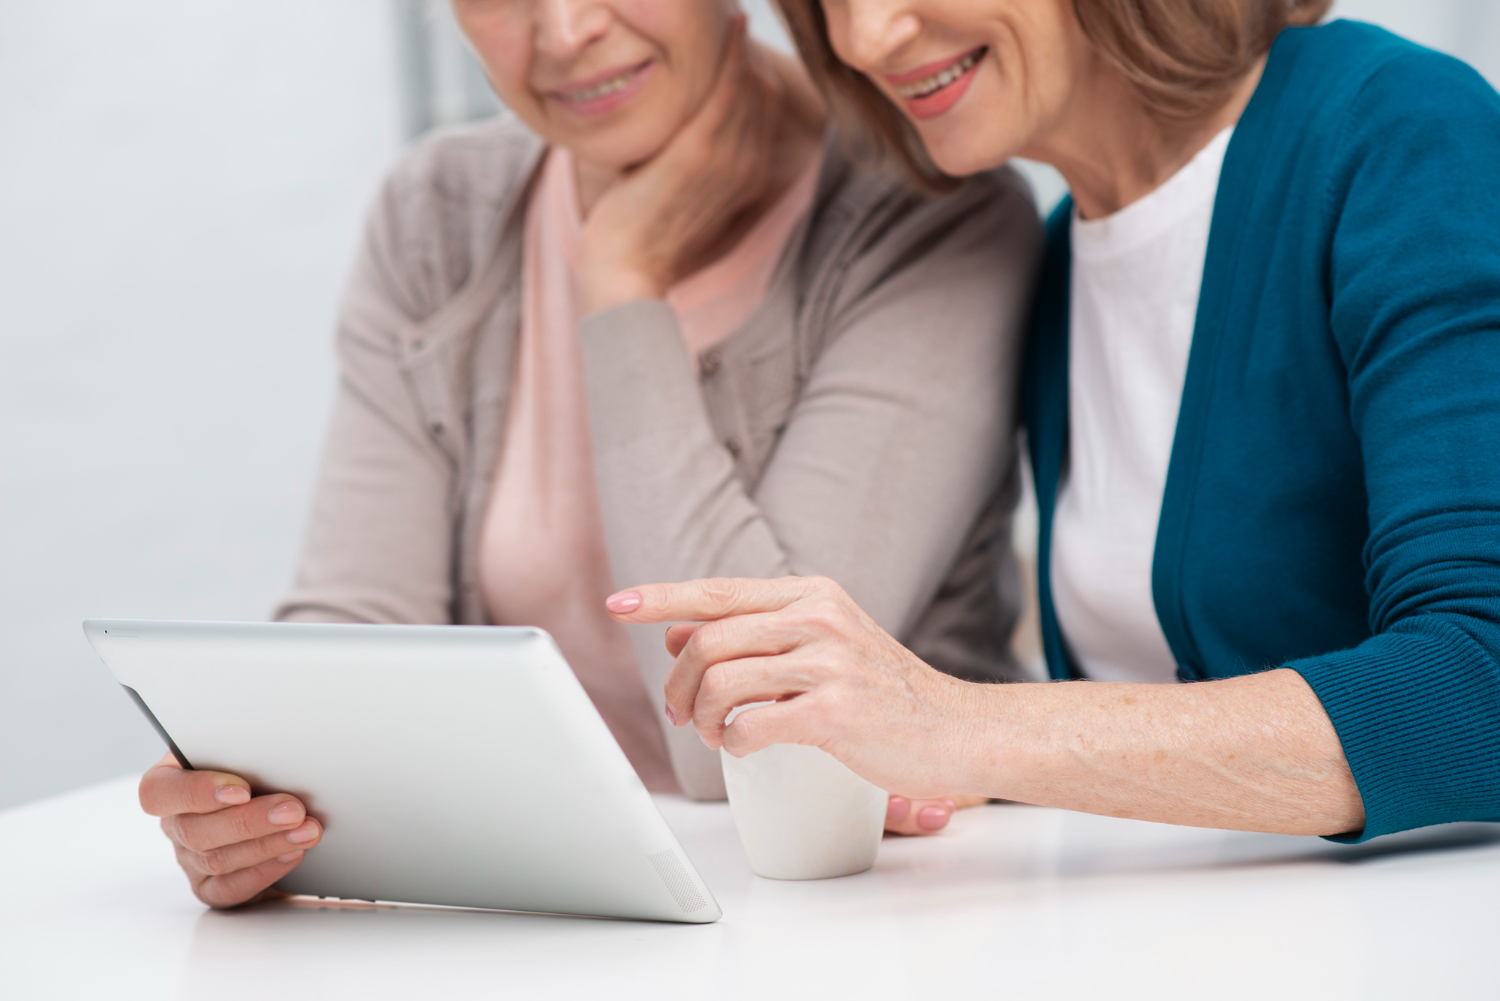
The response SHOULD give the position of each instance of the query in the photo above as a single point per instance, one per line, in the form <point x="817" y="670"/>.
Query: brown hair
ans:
<point x="1182" y="57"/>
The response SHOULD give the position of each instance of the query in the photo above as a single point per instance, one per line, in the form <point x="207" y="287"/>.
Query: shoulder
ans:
<point x="1406" y="127"/>
<point x="1364" y="135"/>
<point x="868" y="225"/>
<point x="475" y="164"/>
<point x="442" y="207"/>
<point x="1373" y="78"/>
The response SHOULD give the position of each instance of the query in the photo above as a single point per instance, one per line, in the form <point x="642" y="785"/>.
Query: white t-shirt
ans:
<point x="1136" y="278"/>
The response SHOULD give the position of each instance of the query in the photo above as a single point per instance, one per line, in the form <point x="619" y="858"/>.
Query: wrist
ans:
<point x="974" y="752"/>
<point x="606" y="287"/>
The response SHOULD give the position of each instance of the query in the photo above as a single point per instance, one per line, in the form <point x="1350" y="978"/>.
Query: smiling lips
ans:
<point x="932" y="89"/>
<point x="603" y="93"/>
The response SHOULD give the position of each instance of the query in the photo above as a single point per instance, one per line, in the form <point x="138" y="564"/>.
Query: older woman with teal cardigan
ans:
<point x="1262" y="397"/>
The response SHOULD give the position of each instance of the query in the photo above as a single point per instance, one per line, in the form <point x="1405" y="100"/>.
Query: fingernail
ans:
<point x="932" y="818"/>
<point x="950" y="804"/>
<point x="897" y="809"/>
<point x="671" y="716"/>
<point x="290" y="856"/>
<point x="289" y="812"/>
<point x="623" y="603"/>
<point x="303" y="834"/>
<point x="232" y="795"/>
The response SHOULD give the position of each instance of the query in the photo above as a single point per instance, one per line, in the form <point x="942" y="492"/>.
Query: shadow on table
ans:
<point x="336" y="949"/>
<point x="1031" y="845"/>
<point x="1429" y="841"/>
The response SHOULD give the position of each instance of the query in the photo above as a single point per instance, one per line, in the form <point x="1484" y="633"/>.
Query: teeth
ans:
<point x="611" y="86"/>
<point x="932" y="84"/>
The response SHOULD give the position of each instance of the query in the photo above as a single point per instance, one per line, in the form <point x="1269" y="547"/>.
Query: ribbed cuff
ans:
<point x="1418" y="714"/>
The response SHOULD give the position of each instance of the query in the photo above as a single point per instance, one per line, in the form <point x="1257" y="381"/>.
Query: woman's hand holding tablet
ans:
<point x="232" y="846"/>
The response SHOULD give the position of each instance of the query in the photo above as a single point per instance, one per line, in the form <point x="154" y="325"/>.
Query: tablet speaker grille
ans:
<point x="672" y="872"/>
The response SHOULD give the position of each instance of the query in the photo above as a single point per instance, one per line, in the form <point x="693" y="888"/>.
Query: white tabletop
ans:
<point x="1012" y="902"/>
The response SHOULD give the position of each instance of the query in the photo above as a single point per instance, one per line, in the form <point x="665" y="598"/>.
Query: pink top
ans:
<point x="542" y="551"/>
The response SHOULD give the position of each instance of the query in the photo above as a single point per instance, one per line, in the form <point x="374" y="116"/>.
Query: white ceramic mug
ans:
<point x="801" y="813"/>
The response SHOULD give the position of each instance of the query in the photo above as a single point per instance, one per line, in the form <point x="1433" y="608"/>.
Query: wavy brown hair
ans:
<point x="1183" y="58"/>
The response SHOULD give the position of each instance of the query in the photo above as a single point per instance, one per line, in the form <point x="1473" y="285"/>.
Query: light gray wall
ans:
<point x="181" y="184"/>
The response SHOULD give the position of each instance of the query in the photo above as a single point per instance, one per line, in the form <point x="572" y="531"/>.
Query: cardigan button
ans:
<point x="733" y="445"/>
<point x="709" y="363"/>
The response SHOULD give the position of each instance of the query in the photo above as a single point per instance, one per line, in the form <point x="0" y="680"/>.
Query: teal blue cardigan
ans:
<point x="1333" y="499"/>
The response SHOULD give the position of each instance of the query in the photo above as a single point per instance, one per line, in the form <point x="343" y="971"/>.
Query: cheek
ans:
<point x="507" y="62"/>
<point x="500" y="36"/>
<point x="836" y="16"/>
<point x="688" y="34"/>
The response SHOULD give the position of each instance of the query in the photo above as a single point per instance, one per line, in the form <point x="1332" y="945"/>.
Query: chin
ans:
<point x="959" y="154"/>
<point x="621" y="146"/>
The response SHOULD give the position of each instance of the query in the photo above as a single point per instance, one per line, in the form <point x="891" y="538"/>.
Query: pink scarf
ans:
<point x="543" y="555"/>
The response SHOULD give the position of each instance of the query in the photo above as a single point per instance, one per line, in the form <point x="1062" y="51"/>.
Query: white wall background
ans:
<point x="181" y="185"/>
<point x="180" y="189"/>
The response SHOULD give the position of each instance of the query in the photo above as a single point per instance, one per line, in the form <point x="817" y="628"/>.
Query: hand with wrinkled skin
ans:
<point x="904" y="815"/>
<point x="842" y="683"/>
<point x="1252" y="753"/>
<point x="232" y="846"/>
<point x="689" y="204"/>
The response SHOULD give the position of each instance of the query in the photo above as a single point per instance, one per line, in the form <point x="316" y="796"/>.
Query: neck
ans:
<point x="1113" y="152"/>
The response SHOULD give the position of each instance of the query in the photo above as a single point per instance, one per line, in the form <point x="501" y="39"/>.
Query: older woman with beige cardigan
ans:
<point x="654" y="326"/>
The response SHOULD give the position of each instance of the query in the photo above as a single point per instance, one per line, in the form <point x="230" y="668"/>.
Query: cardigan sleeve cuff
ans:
<point x="1418" y="714"/>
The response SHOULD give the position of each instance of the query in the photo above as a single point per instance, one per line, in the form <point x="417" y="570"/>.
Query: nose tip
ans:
<point x="564" y="28"/>
<point x="874" y="34"/>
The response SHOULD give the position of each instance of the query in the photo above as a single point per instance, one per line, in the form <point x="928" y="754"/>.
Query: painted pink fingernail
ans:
<point x="671" y="716"/>
<point x="623" y="603"/>
<point x="290" y="856"/>
<point x="232" y="795"/>
<point x="303" y="834"/>
<point x="897" y="810"/>
<point x="289" y="812"/>
<point x="932" y="818"/>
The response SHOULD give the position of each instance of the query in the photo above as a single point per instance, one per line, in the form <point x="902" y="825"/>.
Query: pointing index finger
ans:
<point x="708" y="599"/>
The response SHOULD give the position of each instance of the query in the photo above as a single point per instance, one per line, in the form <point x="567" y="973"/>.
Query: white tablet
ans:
<point x="448" y="764"/>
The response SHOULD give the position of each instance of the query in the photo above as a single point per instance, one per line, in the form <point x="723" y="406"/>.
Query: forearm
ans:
<point x="672" y="504"/>
<point x="879" y="446"/>
<point x="1254" y="753"/>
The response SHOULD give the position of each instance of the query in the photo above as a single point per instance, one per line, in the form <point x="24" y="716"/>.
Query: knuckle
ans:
<point x="825" y="614"/>
<point x="241" y="827"/>
<point x="214" y="862"/>
<point x="711" y="638"/>
<point x="746" y="730"/>
<point x="715" y="680"/>
<point x="833" y="705"/>
<point x="188" y="835"/>
<point x="719" y="590"/>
